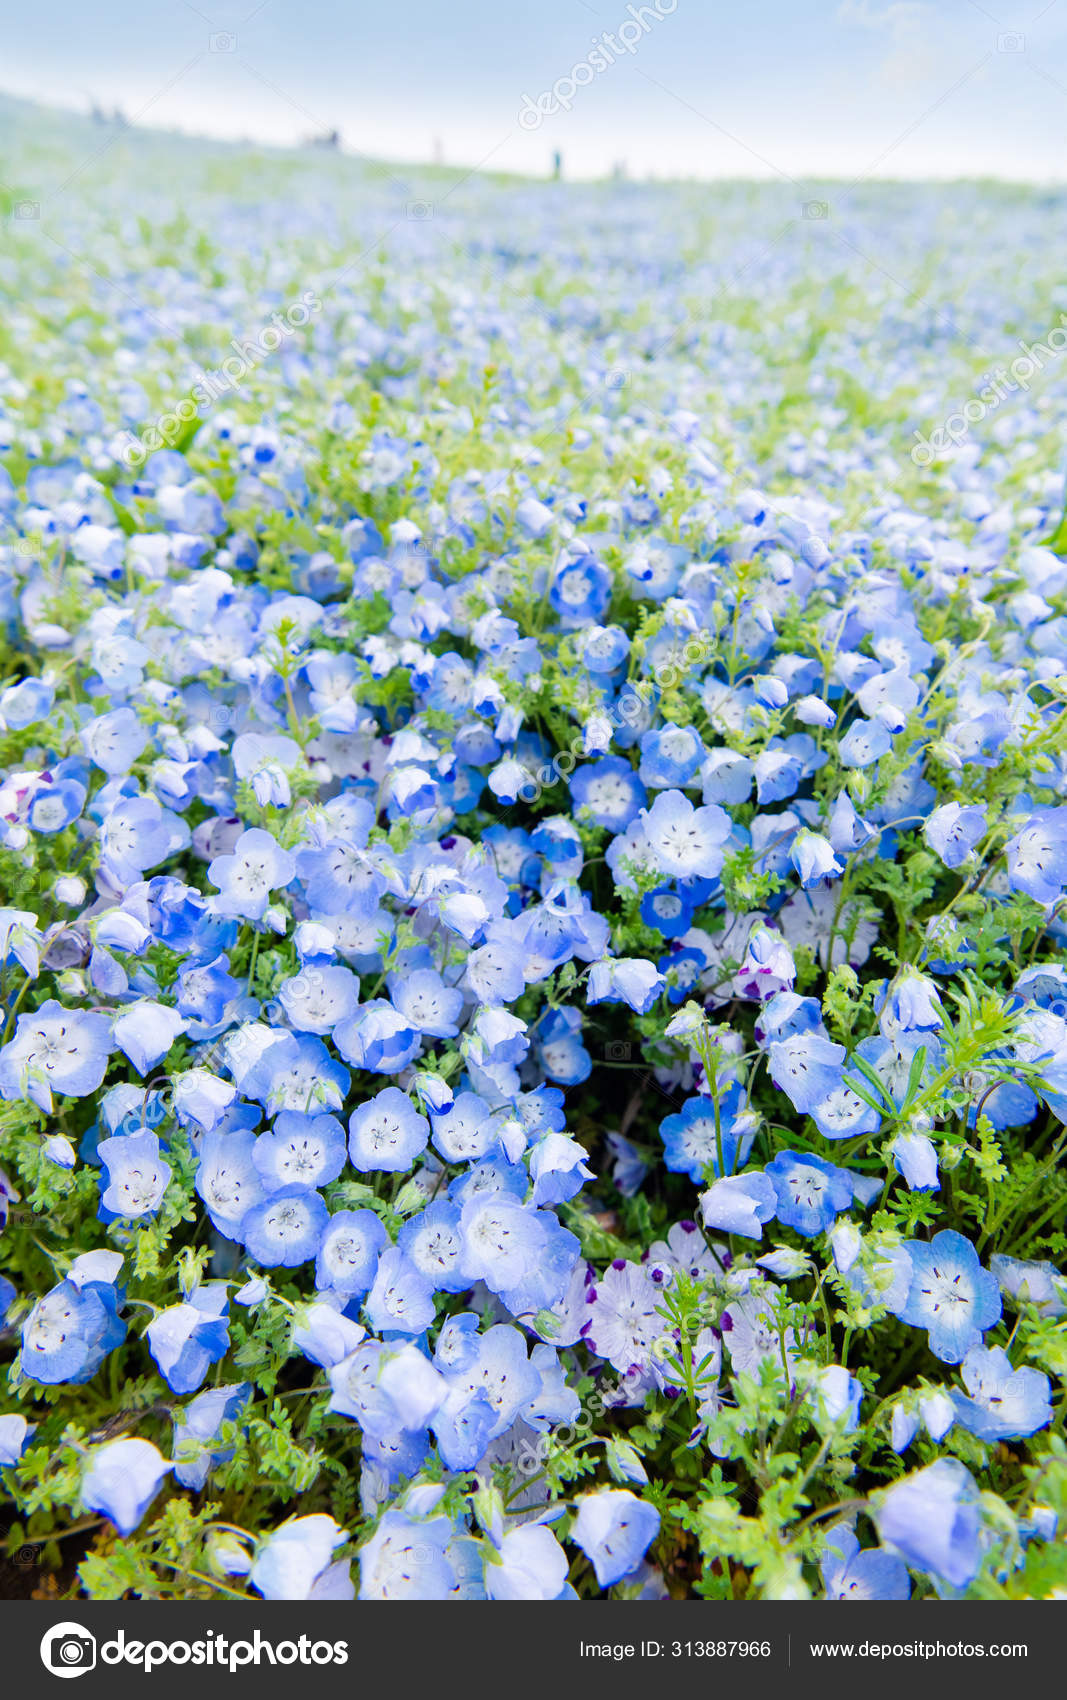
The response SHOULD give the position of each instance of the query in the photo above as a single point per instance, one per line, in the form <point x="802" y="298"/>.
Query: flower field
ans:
<point x="533" y="764"/>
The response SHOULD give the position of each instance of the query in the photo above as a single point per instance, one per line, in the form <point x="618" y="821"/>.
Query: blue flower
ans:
<point x="387" y="1133"/>
<point x="932" y="1519"/>
<point x="286" y="1229"/>
<point x="70" y="1331"/>
<point x="55" y="1050"/>
<point x="377" y="1037"/>
<point x="1003" y="1403"/>
<point x="293" y="1562"/>
<point x="954" y="831"/>
<point x="740" y="1204"/>
<point x="137" y="1176"/>
<point x="810" y="1191"/>
<point x="526" y="1563"/>
<point x="865" y="742"/>
<point x="692" y="1138"/>
<point x="198" y="1425"/>
<point x="807" y="1067"/>
<point x="256" y="867"/>
<point x="300" y="1151"/>
<point x="145" y="1031"/>
<point x="813" y="857"/>
<point x="684" y="840"/>
<point x="950" y="1294"/>
<point x="608" y="792"/>
<point x="188" y="1338"/>
<point x="629" y="980"/>
<point x="401" y="1298"/>
<point x="614" y="1530"/>
<point x="347" y="1258"/>
<point x="15" y="1436"/>
<point x="1037" y="856"/>
<point x="851" y="1574"/>
<point x="122" y="1480"/>
<point x="916" y="1157"/>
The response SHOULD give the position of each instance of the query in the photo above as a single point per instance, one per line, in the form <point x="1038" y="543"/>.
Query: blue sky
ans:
<point x="905" y="88"/>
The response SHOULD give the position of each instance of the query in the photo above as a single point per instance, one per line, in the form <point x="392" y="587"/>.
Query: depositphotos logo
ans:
<point x="70" y="1650"/>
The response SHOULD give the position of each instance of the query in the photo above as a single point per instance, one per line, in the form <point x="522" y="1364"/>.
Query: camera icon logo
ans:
<point x="816" y="209"/>
<point x="1011" y="42"/>
<point x="68" y="1650"/>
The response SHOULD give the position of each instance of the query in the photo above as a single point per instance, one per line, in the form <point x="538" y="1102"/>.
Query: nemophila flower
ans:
<point x="70" y="1331"/>
<point x="55" y="1050"/>
<point x="400" y="1300"/>
<point x="15" y="1435"/>
<point x="849" y="1573"/>
<point x="432" y="1241"/>
<point x="740" y="1204"/>
<point x="950" y="1295"/>
<point x="526" y="1563"/>
<point x="623" y="1321"/>
<point x="1031" y="1283"/>
<point x="670" y="757"/>
<point x="1037" y="856"/>
<point x="114" y="741"/>
<point x="405" y="1559"/>
<point x="197" y="1427"/>
<point x="186" y="1339"/>
<point x="912" y="1003"/>
<point x="810" y="1192"/>
<point x="378" y="1038"/>
<point x="837" y="1398"/>
<point x="753" y="1335"/>
<point x="348" y="1253"/>
<point x="813" y="857"/>
<point x="954" y="831"/>
<point x="300" y="1151"/>
<point x="145" y="1031"/>
<point x="916" y="1158"/>
<point x="560" y="1051"/>
<point x="227" y="1179"/>
<point x="137" y="1175"/>
<point x="932" y="1519"/>
<point x="424" y="1000"/>
<point x="709" y="1133"/>
<point x="629" y="980"/>
<point x="122" y="1480"/>
<point x="138" y="834"/>
<point x="20" y="939"/>
<point x="286" y="1229"/>
<point x="245" y="878"/>
<point x="294" y="1561"/>
<point x="465" y="1130"/>
<point x="295" y="1072"/>
<point x="807" y="1067"/>
<point x="319" y="997"/>
<point x="865" y="742"/>
<point x="558" y="1168"/>
<point x="386" y="1133"/>
<point x="843" y="1114"/>
<point x="1003" y="1403"/>
<point x="767" y="968"/>
<point x="264" y="759"/>
<point x="667" y="911"/>
<point x="683" y="839"/>
<point x="614" y="1530"/>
